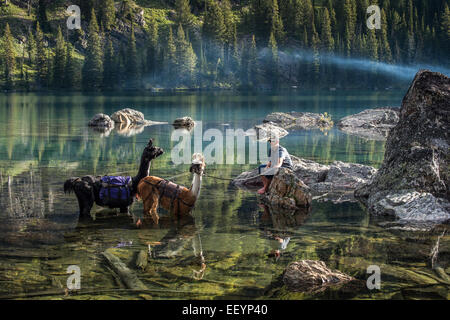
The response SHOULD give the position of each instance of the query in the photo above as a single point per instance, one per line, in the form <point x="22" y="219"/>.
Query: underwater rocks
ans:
<point x="287" y="191"/>
<point x="185" y="122"/>
<point x="372" y="124"/>
<point x="300" y="120"/>
<point x="413" y="181"/>
<point x="101" y="120"/>
<point x="335" y="182"/>
<point x="312" y="276"/>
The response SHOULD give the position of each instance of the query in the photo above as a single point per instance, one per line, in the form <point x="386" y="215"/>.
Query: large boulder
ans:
<point x="413" y="181"/>
<point x="300" y="120"/>
<point x="335" y="182"/>
<point x="131" y="121"/>
<point x="101" y="120"/>
<point x="287" y="191"/>
<point x="312" y="276"/>
<point x="372" y="124"/>
<point x="128" y="116"/>
<point x="341" y="180"/>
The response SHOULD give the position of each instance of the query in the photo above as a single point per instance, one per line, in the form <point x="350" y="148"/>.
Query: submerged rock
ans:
<point x="413" y="181"/>
<point x="335" y="182"/>
<point x="185" y="122"/>
<point x="373" y="124"/>
<point x="300" y="120"/>
<point x="101" y="121"/>
<point x="312" y="275"/>
<point x="266" y="130"/>
<point x="288" y="191"/>
<point x="142" y="259"/>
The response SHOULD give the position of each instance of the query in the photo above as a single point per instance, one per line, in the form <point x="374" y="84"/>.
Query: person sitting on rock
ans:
<point x="278" y="157"/>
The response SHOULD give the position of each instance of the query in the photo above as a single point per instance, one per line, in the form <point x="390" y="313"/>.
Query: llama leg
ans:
<point x="153" y="210"/>
<point x="87" y="206"/>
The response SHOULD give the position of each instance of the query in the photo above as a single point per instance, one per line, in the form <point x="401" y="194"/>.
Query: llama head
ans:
<point x="198" y="163"/>
<point x="151" y="152"/>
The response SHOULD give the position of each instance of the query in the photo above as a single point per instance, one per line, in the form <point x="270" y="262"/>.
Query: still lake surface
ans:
<point x="44" y="139"/>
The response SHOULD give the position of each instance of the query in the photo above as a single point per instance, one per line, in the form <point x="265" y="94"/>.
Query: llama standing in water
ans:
<point x="112" y="192"/>
<point x="178" y="200"/>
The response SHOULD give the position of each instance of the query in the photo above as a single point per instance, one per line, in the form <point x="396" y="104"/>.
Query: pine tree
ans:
<point x="327" y="36"/>
<point x="42" y="15"/>
<point x="109" y="66"/>
<point x="59" y="60"/>
<point x="272" y="61"/>
<point x="332" y="13"/>
<point x="253" y="62"/>
<point x="93" y="64"/>
<point x="445" y="24"/>
<point x="213" y="26"/>
<point x="349" y="25"/>
<point x="230" y="25"/>
<point x="170" y="57"/>
<point x="183" y="13"/>
<point x="214" y="32"/>
<point x="41" y="58"/>
<point x="152" y="47"/>
<point x="107" y="14"/>
<point x="31" y="47"/>
<point x="8" y="57"/>
<point x="244" y="65"/>
<point x="186" y="60"/>
<point x="276" y="22"/>
<point x="386" y="53"/>
<point x="315" y="42"/>
<point x="372" y="44"/>
<point x="70" y="76"/>
<point x="235" y="55"/>
<point x="132" y="62"/>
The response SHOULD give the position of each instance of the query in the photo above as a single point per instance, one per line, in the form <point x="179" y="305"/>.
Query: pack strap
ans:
<point x="175" y="196"/>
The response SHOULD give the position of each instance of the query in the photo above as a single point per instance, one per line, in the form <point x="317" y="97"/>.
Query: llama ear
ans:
<point x="150" y="143"/>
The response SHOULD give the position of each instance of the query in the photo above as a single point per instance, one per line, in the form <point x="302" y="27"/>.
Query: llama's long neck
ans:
<point x="143" y="172"/>
<point x="196" y="185"/>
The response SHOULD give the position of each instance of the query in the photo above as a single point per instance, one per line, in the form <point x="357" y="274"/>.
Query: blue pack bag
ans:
<point x="116" y="191"/>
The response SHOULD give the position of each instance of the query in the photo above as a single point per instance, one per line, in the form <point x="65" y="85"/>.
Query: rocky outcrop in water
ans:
<point x="287" y="191"/>
<point x="266" y="130"/>
<point x="372" y="124"/>
<point x="128" y="116"/>
<point x="130" y="122"/>
<point x="312" y="276"/>
<point x="335" y="182"/>
<point x="413" y="181"/>
<point x="101" y="120"/>
<point x="300" y="120"/>
<point x="185" y="122"/>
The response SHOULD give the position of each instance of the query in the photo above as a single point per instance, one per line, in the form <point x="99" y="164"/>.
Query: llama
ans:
<point x="178" y="200"/>
<point x="88" y="189"/>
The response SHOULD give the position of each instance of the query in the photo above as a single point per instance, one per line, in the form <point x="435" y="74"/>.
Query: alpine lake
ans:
<point x="44" y="140"/>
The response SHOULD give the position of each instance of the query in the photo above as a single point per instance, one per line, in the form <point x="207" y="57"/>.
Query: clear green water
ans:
<point x="44" y="140"/>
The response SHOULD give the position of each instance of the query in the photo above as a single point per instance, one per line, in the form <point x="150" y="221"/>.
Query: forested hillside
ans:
<point x="203" y="44"/>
